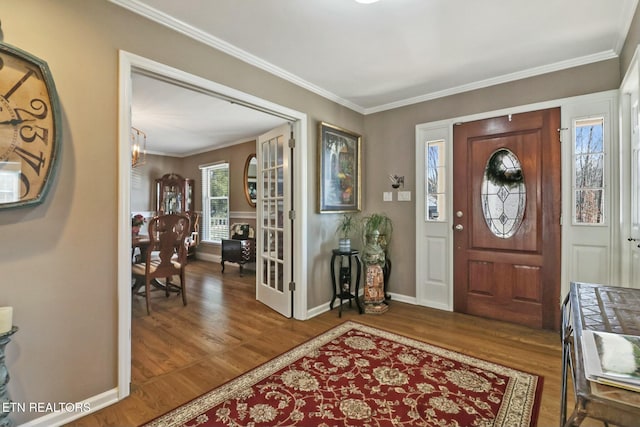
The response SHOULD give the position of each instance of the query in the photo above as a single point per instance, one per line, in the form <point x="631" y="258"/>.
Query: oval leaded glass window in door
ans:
<point x="503" y="193"/>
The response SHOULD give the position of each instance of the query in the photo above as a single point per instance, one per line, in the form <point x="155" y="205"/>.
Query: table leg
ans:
<point x="357" y="294"/>
<point x="386" y="272"/>
<point x="340" y="288"/>
<point x="349" y="273"/>
<point x="333" y="280"/>
<point x="566" y="348"/>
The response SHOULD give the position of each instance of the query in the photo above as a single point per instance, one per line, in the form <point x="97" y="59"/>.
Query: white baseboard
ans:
<point x="403" y="298"/>
<point x="316" y="311"/>
<point x="93" y="404"/>
<point x="322" y="308"/>
<point x="442" y="307"/>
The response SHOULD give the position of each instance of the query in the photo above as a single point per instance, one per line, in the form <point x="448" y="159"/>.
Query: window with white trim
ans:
<point x="589" y="162"/>
<point x="435" y="181"/>
<point x="215" y="202"/>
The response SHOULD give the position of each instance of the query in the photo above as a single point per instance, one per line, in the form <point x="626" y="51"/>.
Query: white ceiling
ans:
<point x="180" y="121"/>
<point x="396" y="52"/>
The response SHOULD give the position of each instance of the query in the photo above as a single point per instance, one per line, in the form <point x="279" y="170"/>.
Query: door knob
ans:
<point x="459" y="227"/>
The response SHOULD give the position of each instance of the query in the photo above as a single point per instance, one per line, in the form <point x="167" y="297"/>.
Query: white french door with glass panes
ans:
<point x="274" y="255"/>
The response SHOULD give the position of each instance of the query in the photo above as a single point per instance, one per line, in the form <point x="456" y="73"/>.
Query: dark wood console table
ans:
<point x="598" y="308"/>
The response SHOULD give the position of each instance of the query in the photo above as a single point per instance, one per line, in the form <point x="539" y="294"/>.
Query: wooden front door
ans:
<point x="506" y="206"/>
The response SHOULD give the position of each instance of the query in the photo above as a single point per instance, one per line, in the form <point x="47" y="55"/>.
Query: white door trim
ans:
<point x="434" y="243"/>
<point x="629" y="252"/>
<point x="128" y="63"/>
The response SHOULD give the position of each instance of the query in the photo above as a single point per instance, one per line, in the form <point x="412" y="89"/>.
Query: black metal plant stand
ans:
<point x="343" y="285"/>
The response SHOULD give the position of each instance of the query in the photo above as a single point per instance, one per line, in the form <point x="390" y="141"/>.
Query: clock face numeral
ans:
<point x="29" y="127"/>
<point x="33" y="133"/>
<point x="41" y="110"/>
<point x="27" y="185"/>
<point x="36" y="162"/>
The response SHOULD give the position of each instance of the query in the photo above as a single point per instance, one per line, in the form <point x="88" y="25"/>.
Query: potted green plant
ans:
<point x="346" y="227"/>
<point x="382" y="224"/>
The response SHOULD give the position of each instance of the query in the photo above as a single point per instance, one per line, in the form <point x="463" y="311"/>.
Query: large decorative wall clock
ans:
<point x="29" y="128"/>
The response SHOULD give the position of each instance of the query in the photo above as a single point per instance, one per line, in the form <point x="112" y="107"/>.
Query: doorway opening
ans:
<point x="130" y="63"/>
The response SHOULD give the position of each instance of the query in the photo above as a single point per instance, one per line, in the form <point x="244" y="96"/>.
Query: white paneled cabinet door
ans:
<point x="274" y="257"/>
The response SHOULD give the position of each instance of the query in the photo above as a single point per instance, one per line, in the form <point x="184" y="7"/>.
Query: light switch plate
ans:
<point x="404" y="196"/>
<point x="387" y="196"/>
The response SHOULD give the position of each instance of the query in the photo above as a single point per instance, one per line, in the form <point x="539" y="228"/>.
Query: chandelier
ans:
<point x="138" y="147"/>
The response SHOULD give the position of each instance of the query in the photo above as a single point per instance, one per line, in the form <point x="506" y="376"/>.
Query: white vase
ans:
<point x="344" y="245"/>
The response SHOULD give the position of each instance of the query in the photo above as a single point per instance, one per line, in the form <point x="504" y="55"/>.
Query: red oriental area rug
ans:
<point x="356" y="375"/>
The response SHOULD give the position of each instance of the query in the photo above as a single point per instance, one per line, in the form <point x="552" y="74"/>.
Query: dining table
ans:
<point x="141" y="242"/>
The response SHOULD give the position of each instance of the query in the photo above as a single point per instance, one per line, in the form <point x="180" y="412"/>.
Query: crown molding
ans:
<point x="506" y="78"/>
<point x="203" y="150"/>
<point x="219" y="44"/>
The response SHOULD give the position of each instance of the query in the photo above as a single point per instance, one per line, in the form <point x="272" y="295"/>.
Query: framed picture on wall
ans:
<point x="338" y="169"/>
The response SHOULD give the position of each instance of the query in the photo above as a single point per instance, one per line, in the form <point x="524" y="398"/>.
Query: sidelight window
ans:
<point x="435" y="184"/>
<point x="589" y="156"/>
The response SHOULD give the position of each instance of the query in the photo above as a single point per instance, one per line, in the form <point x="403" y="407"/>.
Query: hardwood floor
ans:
<point x="179" y="353"/>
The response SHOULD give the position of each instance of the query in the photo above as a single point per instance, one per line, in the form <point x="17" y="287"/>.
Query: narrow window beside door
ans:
<point x="589" y="152"/>
<point x="435" y="183"/>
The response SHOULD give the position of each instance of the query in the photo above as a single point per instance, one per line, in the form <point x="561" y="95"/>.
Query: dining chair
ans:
<point x="168" y="241"/>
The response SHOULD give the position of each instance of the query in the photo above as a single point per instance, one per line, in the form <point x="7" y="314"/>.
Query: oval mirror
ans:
<point x="250" y="183"/>
<point x="503" y="194"/>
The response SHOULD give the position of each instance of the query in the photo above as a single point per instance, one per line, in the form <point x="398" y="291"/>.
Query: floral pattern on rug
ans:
<point x="355" y="375"/>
